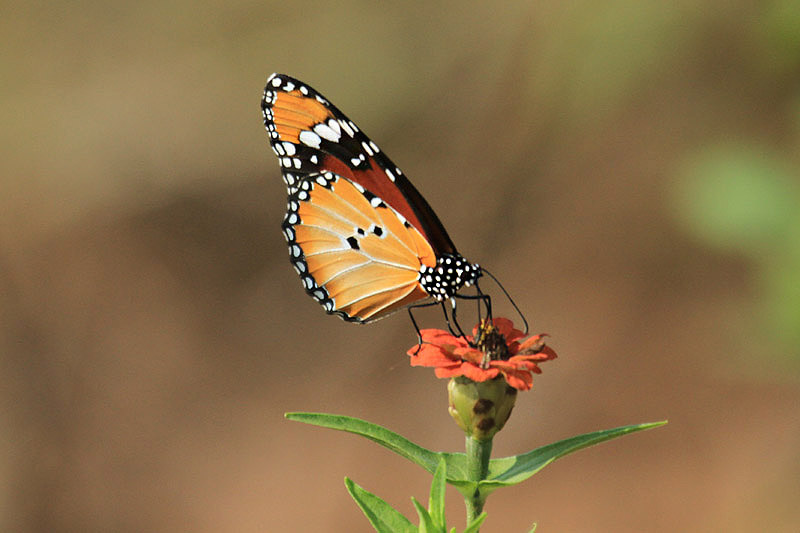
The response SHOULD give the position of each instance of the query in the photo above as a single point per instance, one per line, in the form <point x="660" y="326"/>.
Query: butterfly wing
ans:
<point x="310" y="136"/>
<point x="356" y="255"/>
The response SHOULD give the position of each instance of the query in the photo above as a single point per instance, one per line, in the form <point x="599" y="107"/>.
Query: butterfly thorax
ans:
<point x="451" y="273"/>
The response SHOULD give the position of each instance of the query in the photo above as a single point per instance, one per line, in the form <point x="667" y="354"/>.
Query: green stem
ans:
<point x="478" y="454"/>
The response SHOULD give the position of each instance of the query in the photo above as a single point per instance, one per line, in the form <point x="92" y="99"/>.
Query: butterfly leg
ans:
<point x="485" y="299"/>
<point x="414" y="322"/>
<point x="458" y="331"/>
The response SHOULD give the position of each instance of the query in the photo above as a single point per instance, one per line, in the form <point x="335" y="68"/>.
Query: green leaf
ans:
<point x="508" y="471"/>
<point x="436" y="500"/>
<point x="475" y="525"/>
<point x="383" y="517"/>
<point x="427" y="459"/>
<point x="512" y="470"/>
<point x="426" y="524"/>
<point x="503" y="472"/>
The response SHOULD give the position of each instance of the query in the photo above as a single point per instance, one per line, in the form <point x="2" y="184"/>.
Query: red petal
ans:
<point x="433" y="357"/>
<point x="470" y="354"/>
<point x="551" y="354"/>
<point x="475" y="373"/>
<point x="448" y="372"/>
<point x="506" y="327"/>
<point x="519" y="380"/>
<point x="530" y="341"/>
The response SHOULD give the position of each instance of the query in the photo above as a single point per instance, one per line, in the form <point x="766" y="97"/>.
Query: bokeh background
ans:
<point x="629" y="169"/>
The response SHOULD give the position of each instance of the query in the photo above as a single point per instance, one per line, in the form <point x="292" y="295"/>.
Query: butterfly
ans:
<point x="363" y="240"/>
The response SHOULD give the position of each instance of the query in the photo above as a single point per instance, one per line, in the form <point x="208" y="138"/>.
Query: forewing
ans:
<point x="310" y="136"/>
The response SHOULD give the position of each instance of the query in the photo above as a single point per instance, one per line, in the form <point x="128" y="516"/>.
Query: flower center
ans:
<point x="491" y="342"/>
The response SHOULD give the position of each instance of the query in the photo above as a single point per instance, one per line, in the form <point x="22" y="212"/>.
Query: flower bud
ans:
<point x="480" y="409"/>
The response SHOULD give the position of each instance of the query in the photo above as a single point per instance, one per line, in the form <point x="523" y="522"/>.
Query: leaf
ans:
<point x="503" y="472"/>
<point x="508" y="471"/>
<point x="383" y="517"/>
<point x="512" y="470"/>
<point x="475" y="525"/>
<point x="427" y="459"/>
<point x="436" y="500"/>
<point x="426" y="524"/>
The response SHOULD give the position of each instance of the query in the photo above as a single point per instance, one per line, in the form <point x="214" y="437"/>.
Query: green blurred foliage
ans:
<point x="743" y="195"/>
<point x="778" y="34"/>
<point x="746" y="199"/>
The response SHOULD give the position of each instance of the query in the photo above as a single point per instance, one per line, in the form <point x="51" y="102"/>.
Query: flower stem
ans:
<point x="478" y="454"/>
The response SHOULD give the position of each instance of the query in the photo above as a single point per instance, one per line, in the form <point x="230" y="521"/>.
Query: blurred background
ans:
<point x="629" y="169"/>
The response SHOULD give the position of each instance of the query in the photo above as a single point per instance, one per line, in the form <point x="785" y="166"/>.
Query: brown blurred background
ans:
<point x="629" y="169"/>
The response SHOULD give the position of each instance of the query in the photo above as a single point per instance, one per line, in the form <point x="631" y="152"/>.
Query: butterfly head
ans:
<point x="451" y="273"/>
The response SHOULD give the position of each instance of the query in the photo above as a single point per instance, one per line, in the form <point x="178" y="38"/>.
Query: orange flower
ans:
<point x="492" y="350"/>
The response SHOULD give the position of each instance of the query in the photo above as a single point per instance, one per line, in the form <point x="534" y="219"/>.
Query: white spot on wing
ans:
<point x="309" y="138"/>
<point x="326" y="133"/>
<point x="346" y="127"/>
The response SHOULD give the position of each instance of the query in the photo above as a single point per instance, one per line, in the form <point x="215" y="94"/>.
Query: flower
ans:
<point x="493" y="350"/>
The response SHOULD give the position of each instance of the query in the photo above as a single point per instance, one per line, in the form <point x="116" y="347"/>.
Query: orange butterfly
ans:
<point x="363" y="240"/>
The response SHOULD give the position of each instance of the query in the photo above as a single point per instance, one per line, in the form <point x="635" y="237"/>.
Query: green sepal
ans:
<point x="383" y="517"/>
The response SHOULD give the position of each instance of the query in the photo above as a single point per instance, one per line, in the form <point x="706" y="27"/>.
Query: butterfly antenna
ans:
<point x="486" y="300"/>
<point x="510" y="299"/>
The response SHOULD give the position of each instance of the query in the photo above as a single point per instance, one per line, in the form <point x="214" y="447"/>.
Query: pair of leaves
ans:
<point x="386" y="519"/>
<point x="503" y="472"/>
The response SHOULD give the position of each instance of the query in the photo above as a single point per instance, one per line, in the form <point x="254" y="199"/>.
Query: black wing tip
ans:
<point x="283" y="78"/>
